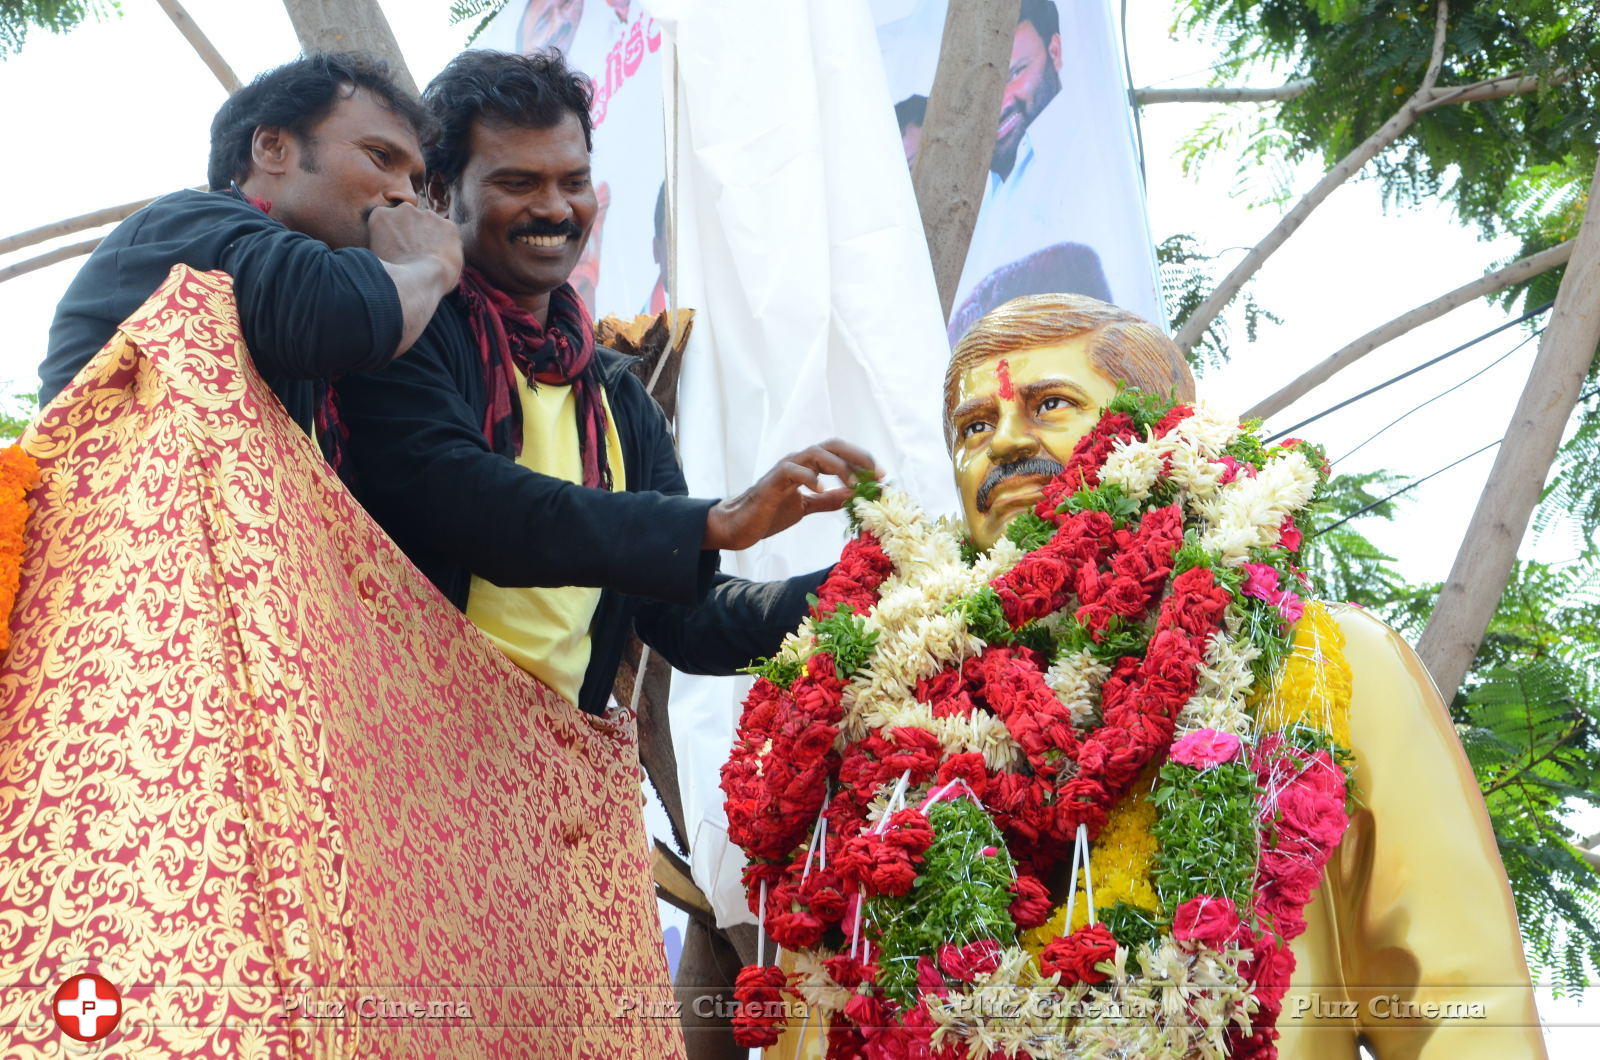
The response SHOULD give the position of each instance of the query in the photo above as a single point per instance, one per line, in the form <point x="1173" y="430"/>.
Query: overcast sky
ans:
<point x="118" y="111"/>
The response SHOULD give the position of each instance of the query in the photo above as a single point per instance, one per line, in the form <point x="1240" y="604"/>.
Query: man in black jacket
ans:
<point x="526" y="471"/>
<point x="314" y="173"/>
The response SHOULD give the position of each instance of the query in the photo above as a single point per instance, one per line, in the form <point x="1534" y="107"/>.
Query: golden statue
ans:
<point x="1414" y="915"/>
<point x="1412" y="947"/>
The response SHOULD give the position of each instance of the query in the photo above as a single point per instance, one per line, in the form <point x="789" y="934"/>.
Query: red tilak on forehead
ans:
<point x="1004" y="372"/>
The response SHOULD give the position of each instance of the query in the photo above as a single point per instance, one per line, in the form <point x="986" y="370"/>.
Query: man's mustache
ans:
<point x="568" y="229"/>
<point x="1033" y="465"/>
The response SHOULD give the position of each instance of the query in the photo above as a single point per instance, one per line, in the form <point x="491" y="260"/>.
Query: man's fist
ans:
<point x="403" y="234"/>
<point x="788" y="493"/>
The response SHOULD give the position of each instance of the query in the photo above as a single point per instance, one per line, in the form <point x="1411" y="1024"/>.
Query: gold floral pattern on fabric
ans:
<point x="258" y="773"/>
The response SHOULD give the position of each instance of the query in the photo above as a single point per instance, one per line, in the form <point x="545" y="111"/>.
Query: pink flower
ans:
<point x="1289" y="535"/>
<point x="1261" y="582"/>
<point x="990" y="852"/>
<point x="1290" y="607"/>
<point x="1205" y="748"/>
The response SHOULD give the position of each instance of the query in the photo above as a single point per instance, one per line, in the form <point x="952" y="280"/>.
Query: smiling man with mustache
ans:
<point x="525" y="469"/>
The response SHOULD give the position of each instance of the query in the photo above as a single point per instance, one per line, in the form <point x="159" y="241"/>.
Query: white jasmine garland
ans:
<point x="1076" y="678"/>
<point x="1219" y="701"/>
<point x="1134" y="466"/>
<point x="1248" y="512"/>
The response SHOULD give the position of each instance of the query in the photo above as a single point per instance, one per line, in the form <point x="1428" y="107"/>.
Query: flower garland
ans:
<point x="18" y="474"/>
<point x="915" y="763"/>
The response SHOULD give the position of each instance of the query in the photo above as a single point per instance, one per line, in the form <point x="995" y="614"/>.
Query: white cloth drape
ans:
<point x="800" y="247"/>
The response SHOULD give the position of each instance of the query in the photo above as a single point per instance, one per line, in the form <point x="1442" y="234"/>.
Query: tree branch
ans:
<point x="1145" y="96"/>
<point x="201" y="44"/>
<point x="1494" y="88"/>
<point x="1436" y="59"/>
<point x="1517" y="774"/>
<point x="1424" y="100"/>
<point x="1207" y="311"/>
<point x="1489" y="283"/>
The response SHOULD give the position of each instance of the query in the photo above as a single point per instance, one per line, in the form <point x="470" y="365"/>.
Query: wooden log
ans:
<point x="958" y="136"/>
<point x="1483" y="565"/>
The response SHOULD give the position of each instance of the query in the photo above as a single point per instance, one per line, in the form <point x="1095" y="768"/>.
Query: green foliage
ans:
<point x="865" y="487"/>
<point x="986" y="619"/>
<point x="960" y="895"/>
<point x="1131" y="927"/>
<point x="17" y="17"/>
<point x="1572" y="499"/>
<point x="779" y="670"/>
<point x="16" y="412"/>
<point x="1028" y="532"/>
<point x="1107" y="497"/>
<point x="1207" y="833"/>
<point x="1188" y="275"/>
<point x="1532" y="733"/>
<point x="845" y="636"/>
<point x="1516" y="164"/>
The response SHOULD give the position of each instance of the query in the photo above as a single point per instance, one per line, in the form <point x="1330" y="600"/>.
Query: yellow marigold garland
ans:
<point x="18" y="474"/>
<point x="1312" y="688"/>
<point x="1120" y="862"/>
<point x="1313" y="683"/>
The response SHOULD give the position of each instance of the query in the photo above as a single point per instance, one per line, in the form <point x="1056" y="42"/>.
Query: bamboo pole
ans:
<point x="49" y="257"/>
<point x="958" y="136"/>
<point x="82" y="222"/>
<point x="1224" y="94"/>
<point x="1489" y="283"/>
<point x="201" y="44"/>
<point x="1483" y="565"/>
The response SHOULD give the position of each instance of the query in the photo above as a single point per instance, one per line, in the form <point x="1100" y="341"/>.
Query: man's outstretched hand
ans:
<point x="788" y="493"/>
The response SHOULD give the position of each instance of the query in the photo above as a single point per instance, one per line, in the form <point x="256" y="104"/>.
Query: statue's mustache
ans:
<point x="1033" y="465"/>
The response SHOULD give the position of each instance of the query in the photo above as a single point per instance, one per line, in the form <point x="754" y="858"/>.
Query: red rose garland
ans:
<point x="787" y="770"/>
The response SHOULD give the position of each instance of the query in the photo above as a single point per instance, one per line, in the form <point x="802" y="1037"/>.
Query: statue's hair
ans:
<point x="1125" y="348"/>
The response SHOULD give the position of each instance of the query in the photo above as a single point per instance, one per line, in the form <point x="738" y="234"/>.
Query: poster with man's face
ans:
<point x="1063" y="205"/>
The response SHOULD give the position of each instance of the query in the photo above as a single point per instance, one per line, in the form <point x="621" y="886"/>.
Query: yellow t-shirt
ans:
<point x="546" y="630"/>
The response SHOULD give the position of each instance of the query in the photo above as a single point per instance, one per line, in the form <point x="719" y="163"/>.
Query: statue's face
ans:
<point x="1017" y="418"/>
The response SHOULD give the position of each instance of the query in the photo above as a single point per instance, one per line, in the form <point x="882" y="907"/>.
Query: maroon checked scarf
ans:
<point x="512" y="345"/>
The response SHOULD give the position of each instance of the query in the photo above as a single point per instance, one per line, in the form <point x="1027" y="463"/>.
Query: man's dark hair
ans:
<point x="296" y="96"/>
<point x="913" y="110"/>
<point x="527" y="91"/>
<point x="1042" y="13"/>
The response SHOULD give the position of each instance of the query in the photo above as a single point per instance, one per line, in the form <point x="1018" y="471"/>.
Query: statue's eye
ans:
<point x="1056" y="402"/>
<point x="976" y="427"/>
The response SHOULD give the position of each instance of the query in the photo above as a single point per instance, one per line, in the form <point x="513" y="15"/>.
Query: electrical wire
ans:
<point x="1413" y="484"/>
<point x="1417" y="408"/>
<point x="1412" y="371"/>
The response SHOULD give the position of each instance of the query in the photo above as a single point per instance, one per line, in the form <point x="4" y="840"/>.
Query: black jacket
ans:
<point x="307" y="311"/>
<point x="458" y="508"/>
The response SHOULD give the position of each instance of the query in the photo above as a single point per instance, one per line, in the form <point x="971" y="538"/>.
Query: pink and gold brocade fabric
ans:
<point x="258" y="773"/>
